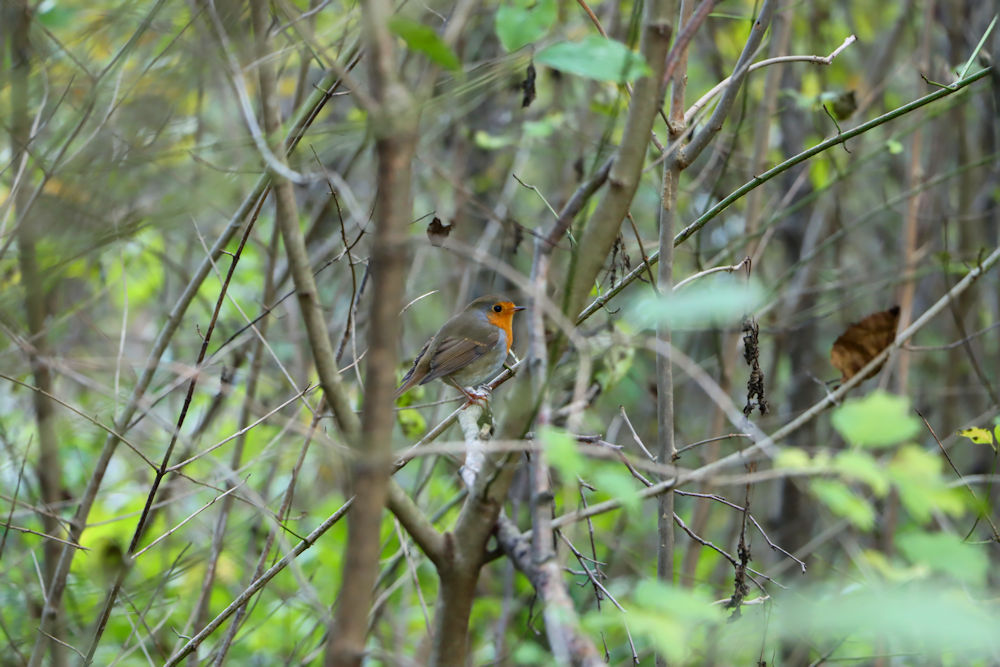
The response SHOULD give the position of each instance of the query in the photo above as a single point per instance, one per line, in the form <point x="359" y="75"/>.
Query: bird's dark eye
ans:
<point x="497" y="308"/>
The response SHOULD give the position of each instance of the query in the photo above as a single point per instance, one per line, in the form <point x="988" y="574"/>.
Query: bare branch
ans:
<point x="561" y="626"/>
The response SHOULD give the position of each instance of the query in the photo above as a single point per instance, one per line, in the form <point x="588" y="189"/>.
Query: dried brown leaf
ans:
<point x="863" y="341"/>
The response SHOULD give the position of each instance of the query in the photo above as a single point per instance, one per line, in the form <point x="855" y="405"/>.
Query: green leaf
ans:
<point x="877" y="420"/>
<point x="819" y="174"/>
<point x="859" y="465"/>
<point x="529" y="653"/>
<point x="544" y="127"/>
<point x="419" y="37"/>
<point x="620" y="485"/>
<point x="55" y="16"/>
<point x="920" y="617"/>
<point x="717" y="300"/>
<point x="595" y="57"/>
<point x="793" y="458"/>
<point x="843" y="502"/>
<point x="522" y="22"/>
<point x="891" y="569"/>
<point x="922" y="489"/>
<point x="412" y="423"/>
<point x="656" y="595"/>
<point x="561" y="451"/>
<point x="674" y="620"/>
<point x="490" y="142"/>
<point x="946" y="553"/>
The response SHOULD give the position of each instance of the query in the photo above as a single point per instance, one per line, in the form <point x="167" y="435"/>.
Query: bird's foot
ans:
<point x="477" y="396"/>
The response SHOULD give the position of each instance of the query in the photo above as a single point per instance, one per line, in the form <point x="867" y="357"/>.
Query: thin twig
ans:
<point x="765" y="443"/>
<point x="771" y="173"/>
<point x="745" y="262"/>
<point x="599" y="589"/>
<point x="13" y="500"/>
<point x="256" y="585"/>
<point x="635" y="436"/>
<point x="720" y="499"/>
<point x="961" y="478"/>
<point x="685" y="448"/>
<point x="57" y="586"/>
<point x="180" y="525"/>
<point x="79" y="413"/>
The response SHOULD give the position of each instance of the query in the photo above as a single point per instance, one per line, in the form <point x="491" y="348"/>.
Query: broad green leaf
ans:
<point x="946" y="553"/>
<point x="717" y="300"/>
<point x="859" y="465"/>
<point x="793" y="458"/>
<point x="55" y="16"/>
<point x="921" y="617"/>
<point x="412" y="423"/>
<point x="620" y="485"/>
<point x="490" y="142"/>
<point x="819" y="173"/>
<point x="844" y="502"/>
<point x="561" y="451"/>
<point x="672" y="619"/>
<point x="891" y="569"/>
<point x="595" y="57"/>
<point x="522" y="22"/>
<point x="656" y="595"/>
<point x="922" y="490"/>
<point x="530" y="653"/>
<point x="877" y="420"/>
<point x="543" y="127"/>
<point x="424" y="40"/>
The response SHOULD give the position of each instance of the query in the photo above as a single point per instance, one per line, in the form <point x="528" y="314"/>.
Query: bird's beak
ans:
<point x="517" y="308"/>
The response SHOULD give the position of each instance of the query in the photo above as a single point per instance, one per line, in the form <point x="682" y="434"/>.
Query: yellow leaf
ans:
<point x="979" y="436"/>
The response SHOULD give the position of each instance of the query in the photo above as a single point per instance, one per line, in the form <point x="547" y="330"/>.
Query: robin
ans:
<point x="469" y="349"/>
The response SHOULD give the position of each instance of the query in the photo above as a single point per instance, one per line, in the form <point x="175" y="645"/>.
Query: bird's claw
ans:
<point x="476" y="396"/>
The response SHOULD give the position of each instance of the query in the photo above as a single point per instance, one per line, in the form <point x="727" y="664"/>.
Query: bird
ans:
<point x="468" y="350"/>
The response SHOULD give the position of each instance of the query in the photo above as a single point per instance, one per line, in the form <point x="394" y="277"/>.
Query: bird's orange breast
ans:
<point x="504" y="320"/>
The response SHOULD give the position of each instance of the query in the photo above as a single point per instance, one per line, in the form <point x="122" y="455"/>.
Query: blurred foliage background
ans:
<point x="130" y="157"/>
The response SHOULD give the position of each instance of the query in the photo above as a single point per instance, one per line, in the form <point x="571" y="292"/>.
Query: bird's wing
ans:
<point x="456" y="352"/>
<point x="414" y="375"/>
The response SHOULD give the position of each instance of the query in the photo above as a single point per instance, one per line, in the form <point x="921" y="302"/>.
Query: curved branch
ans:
<point x="57" y="586"/>
<point x="764" y="442"/>
<point x="688" y="154"/>
<point x="623" y="180"/>
<point x="561" y="621"/>
<point x="771" y="173"/>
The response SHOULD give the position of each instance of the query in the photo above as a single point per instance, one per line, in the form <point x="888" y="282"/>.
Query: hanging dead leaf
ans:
<point x="437" y="231"/>
<point x="863" y="341"/>
<point x="528" y="86"/>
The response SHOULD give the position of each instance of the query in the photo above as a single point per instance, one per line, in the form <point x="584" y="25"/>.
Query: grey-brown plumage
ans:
<point x="469" y="349"/>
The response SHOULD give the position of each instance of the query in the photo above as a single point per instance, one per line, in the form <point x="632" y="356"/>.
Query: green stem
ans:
<point x="757" y="181"/>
